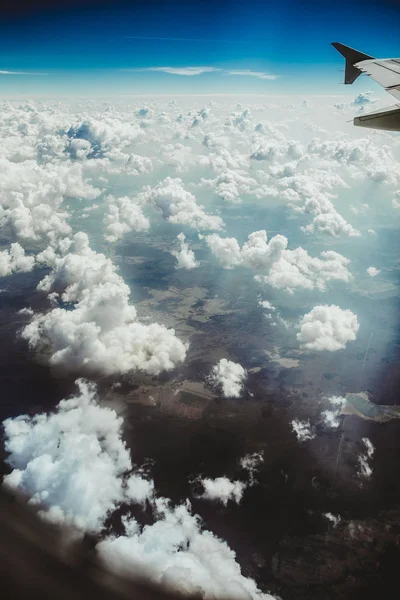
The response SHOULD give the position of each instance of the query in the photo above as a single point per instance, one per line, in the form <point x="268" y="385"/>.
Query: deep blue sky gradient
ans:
<point x="82" y="47"/>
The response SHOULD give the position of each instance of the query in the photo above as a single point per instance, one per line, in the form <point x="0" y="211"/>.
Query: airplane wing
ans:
<point x="386" y="72"/>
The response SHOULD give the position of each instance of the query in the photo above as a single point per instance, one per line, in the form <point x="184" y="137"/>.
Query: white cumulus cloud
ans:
<point x="138" y="489"/>
<point x="303" y="430"/>
<point x="124" y="215"/>
<point x="230" y="376"/>
<point x="327" y="327"/>
<point x="75" y="468"/>
<point x="69" y="463"/>
<point x="222" y="489"/>
<point x="251" y="463"/>
<point x="185" y="257"/>
<point x="178" y="554"/>
<point x="32" y="196"/>
<point x="277" y="265"/>
<point x="364" y="468"/>
<point x="331" y="417"/>
<point x="15" y="260"/>
<point x="101" y="332"/>
<point x="334" y="519"/>
<point x="373" y="271"/>
<point x="180" y="206"/>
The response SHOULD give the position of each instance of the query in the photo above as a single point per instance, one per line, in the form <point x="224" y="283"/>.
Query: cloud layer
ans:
<point x="77" y="177"/>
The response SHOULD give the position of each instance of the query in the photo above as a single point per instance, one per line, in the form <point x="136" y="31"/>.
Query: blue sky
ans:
<point x="105" y="47"/>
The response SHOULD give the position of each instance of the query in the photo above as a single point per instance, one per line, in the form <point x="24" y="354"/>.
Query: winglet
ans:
<point x="352" y="57"/>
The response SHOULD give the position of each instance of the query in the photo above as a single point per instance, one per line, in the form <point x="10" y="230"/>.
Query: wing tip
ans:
<point x="351" y="54"/>
<point x="352" y="57"/>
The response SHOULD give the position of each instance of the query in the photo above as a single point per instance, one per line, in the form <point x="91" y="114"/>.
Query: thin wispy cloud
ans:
<point x="20" y="73"/>
<point x="248" y="73"/>
<point x="186" y="71"/>
<point x="177" y="39"/>
<point x="190" y="71"/>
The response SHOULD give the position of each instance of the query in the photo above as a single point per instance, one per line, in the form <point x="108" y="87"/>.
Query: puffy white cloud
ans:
<point x="361" y="101"/>
<point x="229" y="165"/>
<point x="373" y="271"/>
<point x="227" y="250"/>
<point x="311" y="192"/>
<point x="303" y="430"/>
<point x="334" y="519"/>
<point x="251" y="463"/>
<point x="222" y="489"/>
<point x="180" y="206"/>
<point x="138" y="489"/>
<point x="369" y="447"/>
<point x="105" y="134"/>
<point x="79" y="271"/>
<point x="349" y="151"/>
<point x="26" y="311"/>
<point x="330" y="417"/>
<point x="31" y="197"/>
<point x="101" y="333"/>
<point x="331" y="223"/>
<point x="276" y="150"/>
<point x="15" y="259"/>
<point x="230" y="376"/>
<point x="327" y="327"/>
<point x="365" y="470"/>
<point x="124" y="215"/>
<point x="296" y="268"/>
<point x="231" y="184"/>
<point x="185" y="257"/>
<point x="280" y="267"/>
<point x="256" y="252"/>
<point x="238" y="120"/>
<point x="267" y="305"/>
<point x="69" y="463"/>
<point x="178" y="554"/>
<point x="74" y="466"/>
